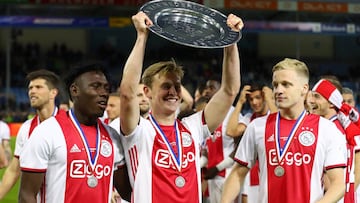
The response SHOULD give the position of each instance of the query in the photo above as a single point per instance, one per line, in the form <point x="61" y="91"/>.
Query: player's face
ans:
<point x="91" y="92"/>
<point x="289" y="89"/>
<point x="320" y="105"/>
<point x="165" y="94"/>
<point x="39" y="93"/>
<point x="256" y="101"/>
<point x="211" y="88"/>
<point x="113" y="107"/>
<point x="349" y="99"/>
<point x="144" y="103"/>
<point x="310" y="102"/>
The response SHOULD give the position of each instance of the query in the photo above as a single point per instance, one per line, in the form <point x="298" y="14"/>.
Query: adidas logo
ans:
<point x="74" y="148"/>
<point x="271" y="138"/>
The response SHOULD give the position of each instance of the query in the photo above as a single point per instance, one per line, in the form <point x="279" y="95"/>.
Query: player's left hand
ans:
<point x="352" y="131"/>
<point x="211" y="173"/>
<point x="234" y="22"/>
<point x="351" y="112"/>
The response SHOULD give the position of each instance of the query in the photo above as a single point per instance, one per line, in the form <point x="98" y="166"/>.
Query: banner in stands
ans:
<point x="307" y="6"/>
<point x="33" y="21"/>
<point x="97" y="2"/>
<point x="118" y="22"/>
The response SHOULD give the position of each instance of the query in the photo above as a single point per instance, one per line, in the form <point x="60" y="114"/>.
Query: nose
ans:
<point x="172" y="90"/>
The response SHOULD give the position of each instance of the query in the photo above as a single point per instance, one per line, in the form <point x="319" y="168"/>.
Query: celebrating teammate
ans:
<point x="71" y="157"/>
<point x="162" y="152"/>
<point x="293" y="147"/>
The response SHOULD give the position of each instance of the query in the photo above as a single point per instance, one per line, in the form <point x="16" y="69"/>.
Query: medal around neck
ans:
<point x="279" y="171"/>
<point x="92" y="181"/>
<point x="180" y="181"/>
<point x="190" y="24"/>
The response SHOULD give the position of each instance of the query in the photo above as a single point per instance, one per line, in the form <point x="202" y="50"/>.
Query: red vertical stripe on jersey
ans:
<point x="133" y="154"/>
<point x="215" y="149"/>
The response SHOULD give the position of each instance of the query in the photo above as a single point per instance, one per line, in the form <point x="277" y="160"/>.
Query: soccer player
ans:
<point x="218" y="146"/>
<point x="113" y="107"/>
<point x="293" y="147"/>
<point x="72" y="157"/>
<point x="144" y="103"/>
<point x="328" y="106"/>
<point x="162" y="153"/>
<point x="43" y="88"/>
<point x="261" y="102"/>
<point x="5" y="153"/>
<point x="348" y="96"/>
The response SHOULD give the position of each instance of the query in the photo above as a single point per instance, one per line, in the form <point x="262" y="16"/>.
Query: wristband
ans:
<point x="226" y="163"/>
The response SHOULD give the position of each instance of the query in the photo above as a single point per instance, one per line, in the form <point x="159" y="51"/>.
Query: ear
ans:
<point x="54" y="92"/>
<point x="73" y="90"/>
<point x="305" y="90"/>
<point x="147" y="92"/>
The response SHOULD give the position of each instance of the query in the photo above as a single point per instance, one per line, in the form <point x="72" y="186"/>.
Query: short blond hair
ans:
<point x="293" y="64"/>
<point x="163" y="68"/>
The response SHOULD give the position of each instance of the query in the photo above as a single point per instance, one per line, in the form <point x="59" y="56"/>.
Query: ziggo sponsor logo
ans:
<point x="290" y="158"/>
<point x="164" y="160"/>
<point x="79" y="169"/>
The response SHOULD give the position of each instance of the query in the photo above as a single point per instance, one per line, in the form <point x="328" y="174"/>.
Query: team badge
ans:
<point x="307" y="138"/>
<point x="106" y="148"/>
<point x="186" y="139"/>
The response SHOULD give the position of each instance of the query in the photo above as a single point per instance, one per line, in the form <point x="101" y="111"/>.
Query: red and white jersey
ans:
<point x="314" y="146"/>
<point x="4" y="131"/>
<point x="25" y="131"/>
<point x="245" y="119"/>
<point x="57" y="148"/>
<point x="219" y="146"/>
<point x="350" y="192"/>
<point x="154" y="174"/>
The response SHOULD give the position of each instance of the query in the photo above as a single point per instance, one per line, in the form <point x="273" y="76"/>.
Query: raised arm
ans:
<point x="131" y="75"/>
<point x="219" y="105"/>
<point x="269" y="98"/>
<point x="187" y="100"/>
<point x="234" y="128"/>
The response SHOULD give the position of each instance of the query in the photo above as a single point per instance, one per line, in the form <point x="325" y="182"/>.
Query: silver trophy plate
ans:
<point x="190" y="24"/>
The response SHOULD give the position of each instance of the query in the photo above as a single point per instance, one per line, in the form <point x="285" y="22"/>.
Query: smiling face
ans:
<point x="90" y="93"/>
<point x="256" y="101"/>
<point x="165" y="93"/>
<point x="40" y="94"/>
<point x="321" y="106"/>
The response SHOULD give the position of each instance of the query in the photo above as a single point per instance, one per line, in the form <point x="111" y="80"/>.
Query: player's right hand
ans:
<point x="141" y="22"/>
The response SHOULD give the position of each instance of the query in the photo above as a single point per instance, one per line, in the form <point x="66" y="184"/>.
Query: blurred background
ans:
<point x="54" y="34"/>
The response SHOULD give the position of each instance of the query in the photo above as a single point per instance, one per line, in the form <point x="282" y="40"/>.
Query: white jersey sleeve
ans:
<point x="245" y="119"/>
<point x="191" y="122"/>
<point x="4" y="131"/>
<point x="22" y="137"/>
<point x="39" y="149"/>
<point x="119" y="159"/>
<point x="246" y="153"/>
<point x="335" y="145"/>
